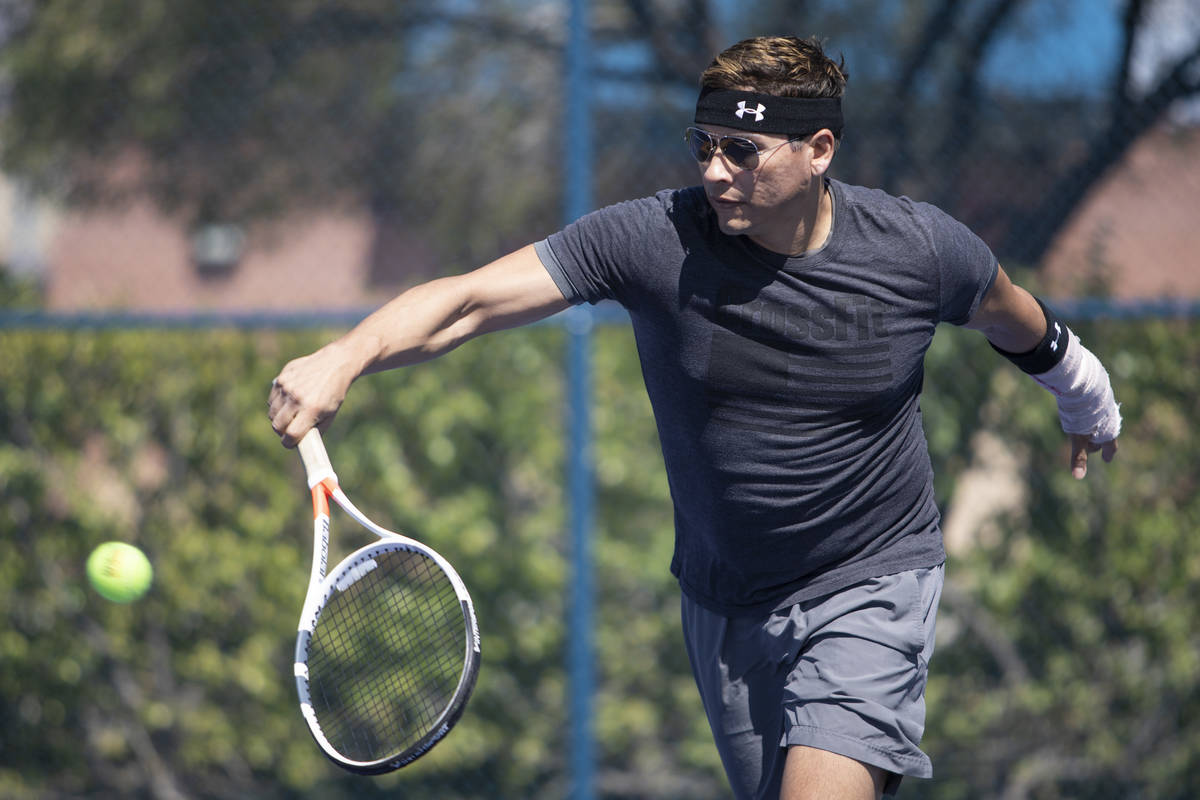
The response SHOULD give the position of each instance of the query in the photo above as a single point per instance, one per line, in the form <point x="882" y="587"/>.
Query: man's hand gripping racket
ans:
<point x="388" y="648"/>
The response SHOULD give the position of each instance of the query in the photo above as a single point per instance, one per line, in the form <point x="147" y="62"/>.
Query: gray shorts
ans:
<point x="844" y="673"/>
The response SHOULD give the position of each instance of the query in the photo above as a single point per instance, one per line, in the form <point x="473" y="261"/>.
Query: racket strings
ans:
<point x="386" y="656"/>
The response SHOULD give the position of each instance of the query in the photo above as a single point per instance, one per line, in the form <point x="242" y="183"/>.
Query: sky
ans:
<point x="1049" y="45"/>
<point x="1173" y="31"/>
<point x="1059" y="45"/>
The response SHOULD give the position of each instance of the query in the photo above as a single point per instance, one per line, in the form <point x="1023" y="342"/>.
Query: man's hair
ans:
<point x="785" y="66"/>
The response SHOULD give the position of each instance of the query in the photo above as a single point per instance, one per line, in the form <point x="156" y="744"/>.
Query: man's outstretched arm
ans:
<point x="420" y="324"/>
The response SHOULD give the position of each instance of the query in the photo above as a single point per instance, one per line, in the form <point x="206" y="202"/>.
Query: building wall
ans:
<point x="1136" y="236"/>
<point x="139" y="259"/>
<point x="1138" y="232"/>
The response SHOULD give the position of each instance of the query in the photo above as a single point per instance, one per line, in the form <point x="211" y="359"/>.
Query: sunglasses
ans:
<point x="740" y="151"/>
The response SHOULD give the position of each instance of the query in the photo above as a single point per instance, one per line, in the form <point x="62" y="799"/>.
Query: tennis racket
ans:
<point x="388" y="648"/>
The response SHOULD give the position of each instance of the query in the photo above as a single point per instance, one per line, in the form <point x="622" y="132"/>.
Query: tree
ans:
<point x="1131" y="111"/>
<point x="242" y="110"/>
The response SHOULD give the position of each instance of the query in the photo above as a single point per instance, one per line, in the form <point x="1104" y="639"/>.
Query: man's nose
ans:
<point x="717" y="169"/>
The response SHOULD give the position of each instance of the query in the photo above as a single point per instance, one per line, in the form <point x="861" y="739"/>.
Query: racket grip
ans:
<point x="316" y="460"/>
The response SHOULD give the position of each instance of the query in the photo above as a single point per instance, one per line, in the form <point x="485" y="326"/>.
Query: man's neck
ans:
<point x="811" y="230"/>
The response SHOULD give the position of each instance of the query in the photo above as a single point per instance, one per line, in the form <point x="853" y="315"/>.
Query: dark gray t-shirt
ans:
<point x="785" y="389"/>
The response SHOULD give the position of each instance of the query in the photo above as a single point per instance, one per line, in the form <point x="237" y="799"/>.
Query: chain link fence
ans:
<point x="198" y="192"/>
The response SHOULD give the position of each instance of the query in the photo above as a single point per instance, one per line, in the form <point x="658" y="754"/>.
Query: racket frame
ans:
<point x="323" y="483"/>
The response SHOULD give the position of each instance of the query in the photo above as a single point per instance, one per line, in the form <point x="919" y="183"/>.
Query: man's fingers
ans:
<point x="279" y="409"/>
<point x="276" y="399"/>
<point x="305" y="394"/>
<point x="1079" y="455"/>
<point x="1082" y="445"/>
<point x="292" y="435"/>
<point x="285" y="415"/>
<point x="282" y="420"/>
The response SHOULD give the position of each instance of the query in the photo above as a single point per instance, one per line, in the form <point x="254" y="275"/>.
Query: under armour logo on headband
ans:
<point x="745" y="111"/>
<point x="757" y="112"/>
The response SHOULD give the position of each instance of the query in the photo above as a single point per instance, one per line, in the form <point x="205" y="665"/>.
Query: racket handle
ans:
<point x="316" y="460"/>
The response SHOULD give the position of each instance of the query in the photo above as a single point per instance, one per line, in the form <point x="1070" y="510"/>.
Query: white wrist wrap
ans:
<point x="1086" y="404"/>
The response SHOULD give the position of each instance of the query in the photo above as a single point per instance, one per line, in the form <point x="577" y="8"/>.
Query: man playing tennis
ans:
<point x="782" y="319"/>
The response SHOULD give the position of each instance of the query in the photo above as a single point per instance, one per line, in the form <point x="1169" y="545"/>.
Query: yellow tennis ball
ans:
<point x="119" y="572"/>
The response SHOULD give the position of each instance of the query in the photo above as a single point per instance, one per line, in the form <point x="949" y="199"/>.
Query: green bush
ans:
<point x="1066" y="658"/>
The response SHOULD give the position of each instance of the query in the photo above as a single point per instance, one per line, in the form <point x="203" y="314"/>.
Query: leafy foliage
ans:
<point x="161" y="439"/>
<point x="1065" y="664"/>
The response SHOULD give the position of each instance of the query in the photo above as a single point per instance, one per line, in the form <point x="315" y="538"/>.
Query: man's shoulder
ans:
<point x="673" y="204"/>
<point x="689" y="197"/>
<point x="671" y="213"/>
<point x="687" y="203"/>
<point x="874" y="200"/>
<point x="888" y="213"/>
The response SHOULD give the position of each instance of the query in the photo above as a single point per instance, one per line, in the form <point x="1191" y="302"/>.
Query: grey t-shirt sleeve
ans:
<point x="966" y="267"/>
<point x="558" y="273"/>
<point x="587" y="257"/>
<point x="611" y="254"/>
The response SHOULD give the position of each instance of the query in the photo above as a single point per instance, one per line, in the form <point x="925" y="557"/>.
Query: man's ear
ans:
<point x="824" y="145"/>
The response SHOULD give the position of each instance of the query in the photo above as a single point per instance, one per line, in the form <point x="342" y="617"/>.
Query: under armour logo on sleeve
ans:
<point x="743" y="111"/>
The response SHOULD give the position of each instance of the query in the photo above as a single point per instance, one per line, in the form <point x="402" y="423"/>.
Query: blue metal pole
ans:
<point x="581" y="680"/>
<point x="578" y="138"/>
<point x="577" y="197"/>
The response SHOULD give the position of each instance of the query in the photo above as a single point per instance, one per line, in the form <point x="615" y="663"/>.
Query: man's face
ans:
<point x="758" y="202"/>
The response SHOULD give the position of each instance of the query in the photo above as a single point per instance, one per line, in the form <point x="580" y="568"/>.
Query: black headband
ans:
<point x="768" y="113"/>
